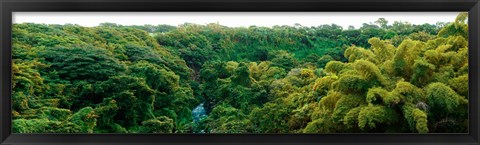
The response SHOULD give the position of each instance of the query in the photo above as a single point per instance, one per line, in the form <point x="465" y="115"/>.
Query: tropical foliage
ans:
<point x="380" y="78"/>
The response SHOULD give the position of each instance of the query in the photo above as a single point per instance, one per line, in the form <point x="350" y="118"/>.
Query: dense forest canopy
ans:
<point x="382" y="78"/>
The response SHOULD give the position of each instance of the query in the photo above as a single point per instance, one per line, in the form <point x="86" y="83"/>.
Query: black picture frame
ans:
<point x="9" y="6"/>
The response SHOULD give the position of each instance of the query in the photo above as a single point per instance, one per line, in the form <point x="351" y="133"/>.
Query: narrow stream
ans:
<point x="198" y="114"/>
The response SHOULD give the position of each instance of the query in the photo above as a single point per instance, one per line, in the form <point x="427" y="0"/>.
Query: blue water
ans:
<point x="198" y="113"/>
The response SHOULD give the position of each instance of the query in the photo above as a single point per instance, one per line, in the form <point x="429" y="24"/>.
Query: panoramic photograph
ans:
<point x="239" y="72"/>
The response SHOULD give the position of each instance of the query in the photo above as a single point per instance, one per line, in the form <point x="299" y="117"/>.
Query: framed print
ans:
<point x="239" y="72"/>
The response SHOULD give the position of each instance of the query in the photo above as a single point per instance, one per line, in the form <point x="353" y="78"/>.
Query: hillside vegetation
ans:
<point x="380" y="78"/>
